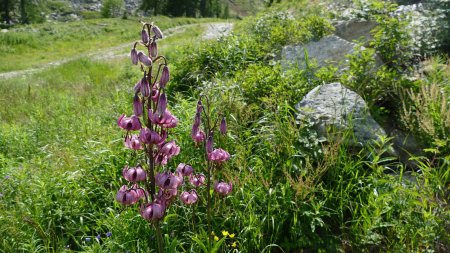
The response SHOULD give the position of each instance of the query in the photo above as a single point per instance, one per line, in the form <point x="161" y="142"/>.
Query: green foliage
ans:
<point x="112" y="8"/>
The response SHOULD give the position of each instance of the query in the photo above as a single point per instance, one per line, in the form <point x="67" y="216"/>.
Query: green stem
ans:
<point x="159" y="238"/>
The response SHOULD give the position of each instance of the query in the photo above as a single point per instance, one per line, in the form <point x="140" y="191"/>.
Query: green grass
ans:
<point x="33" y="45"/>
<point x="61" y="156"/>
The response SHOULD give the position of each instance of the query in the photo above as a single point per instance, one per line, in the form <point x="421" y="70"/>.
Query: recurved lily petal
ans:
<point x="189" y="198"/>
<point x="132" y="142"/>
<point x="218" y="155"/>
<point x="134" y="174"/>
<point x="129" y="123"/>
<point x="197" y="180"/>
<point x="223" y="188"/>
<point x="185" y="169"/>
<point x="153" y="211"/>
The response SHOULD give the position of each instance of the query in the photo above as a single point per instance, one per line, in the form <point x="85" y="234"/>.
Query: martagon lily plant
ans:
<point x="152" y="186"/>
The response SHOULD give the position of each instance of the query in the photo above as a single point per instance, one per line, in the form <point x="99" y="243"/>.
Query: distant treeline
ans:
<point x="27" y="11"/>
<point x="189" y="8"/>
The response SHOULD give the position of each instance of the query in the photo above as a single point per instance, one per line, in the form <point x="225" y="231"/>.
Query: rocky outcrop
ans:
<point x="355" y="29"/>
<point x="336" y="108"/>
<point x="330" y="50"/>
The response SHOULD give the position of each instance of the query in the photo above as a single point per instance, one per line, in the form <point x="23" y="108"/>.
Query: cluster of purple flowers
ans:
<point x="147" y="130"/>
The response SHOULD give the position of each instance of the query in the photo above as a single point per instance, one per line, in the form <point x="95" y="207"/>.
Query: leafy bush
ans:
<point x="112" y="8"/>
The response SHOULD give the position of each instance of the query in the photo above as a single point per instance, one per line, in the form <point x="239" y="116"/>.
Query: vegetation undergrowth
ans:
<point x="61" y="155"/>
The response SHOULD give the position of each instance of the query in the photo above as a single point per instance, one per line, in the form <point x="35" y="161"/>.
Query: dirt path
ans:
<point x="214" y="30"/>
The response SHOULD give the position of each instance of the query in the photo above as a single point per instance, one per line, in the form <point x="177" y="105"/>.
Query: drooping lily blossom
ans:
<point x="134" y="174"/>
<point x="148" y="136"/>
<point x="127" y="196"/>
<point x="132" y="142"/>
<point x="197" y="180"/>
<point x="198" y="136"/>
<point x="168" y="180"/>
<point x="218" y="155"/>
<point x="129" y="123"/>
<point x="185" y="169"/>
<point x="152" y="211"/>
<point x="223" y="188"/>
<point x="189" y="198"/>
<point x="167" y="120"/>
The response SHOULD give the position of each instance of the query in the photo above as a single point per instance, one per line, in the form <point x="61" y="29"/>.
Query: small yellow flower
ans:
<point x="233" y="245"/>
<point x="231" y="235"/>
<point x="216" y="238"/>
<point x="212" y="233"/>
<point x="225" y="233"/>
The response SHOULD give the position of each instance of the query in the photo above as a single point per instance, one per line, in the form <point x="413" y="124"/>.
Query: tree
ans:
<point x="6" y="6"/>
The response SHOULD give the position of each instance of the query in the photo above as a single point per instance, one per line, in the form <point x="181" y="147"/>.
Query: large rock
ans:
<point x="330" y="50"/>
<point x="355" y="29"/>
<point x="334" y="106"/>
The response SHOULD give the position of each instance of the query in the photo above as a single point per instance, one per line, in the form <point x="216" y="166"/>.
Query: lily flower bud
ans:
<point x="164" y="77"/>
<point x="134" y="56"/>
<point x="145" y="37"/>
<point x="145" y="86"/>
<point x="157" y="32"/>
<point x="137" y="105"/>
<point x="145" y="59"/>
<point x="199" y="106"/>
<point x="153" y="50"/>
<point x="209" y="143"/>
<point x="223" y="126"/>
<point x="162" y="104"/>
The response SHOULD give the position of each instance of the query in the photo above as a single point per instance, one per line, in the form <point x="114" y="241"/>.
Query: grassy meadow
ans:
<point x="62" y="154"/>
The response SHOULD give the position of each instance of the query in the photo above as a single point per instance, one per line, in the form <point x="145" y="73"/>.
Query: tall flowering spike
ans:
<point x="223" y="188"/>
<point x="157" y="32"/>
<point x="223" y="126"/>
<point x="162" y="104"/>
<point x="145" y="59"/>
<point x="189" y="198"/>
<point x="197" y="180"/>
<point x="145" y="86"/>
<point x="164" y="77"/>
<point x="129" y="123"/>
<point x="134" y="56"/>
<point x="144" y="36"/>
<point x="209" y="143"/>
<point x="137" y="105"/>
<point x="153" y="49"/>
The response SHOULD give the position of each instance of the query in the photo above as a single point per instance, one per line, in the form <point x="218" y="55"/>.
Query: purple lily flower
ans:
<point x="127" y="196"/>
<point x="168" y="180"/>
<point x="148" y="136"/>
<point x="197" y="180"/>
<point x="153" y="211"/>
<point x="198" y="136"/>
<point x="185" y="169"/>
<point x="129" y="123"/>
<point x="223" y="188"/>
<point x="189" y="198"/>
<point x="218" y="155"/>
<point x="132" y="142"/>
<point x="167" y="120"/>
<point x="134" y="174"/>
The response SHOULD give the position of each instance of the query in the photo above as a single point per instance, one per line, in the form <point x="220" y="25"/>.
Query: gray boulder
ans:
<point x="336" y="107"/>
<point x="330" y="50"/>
<point x="355" y="29"/>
